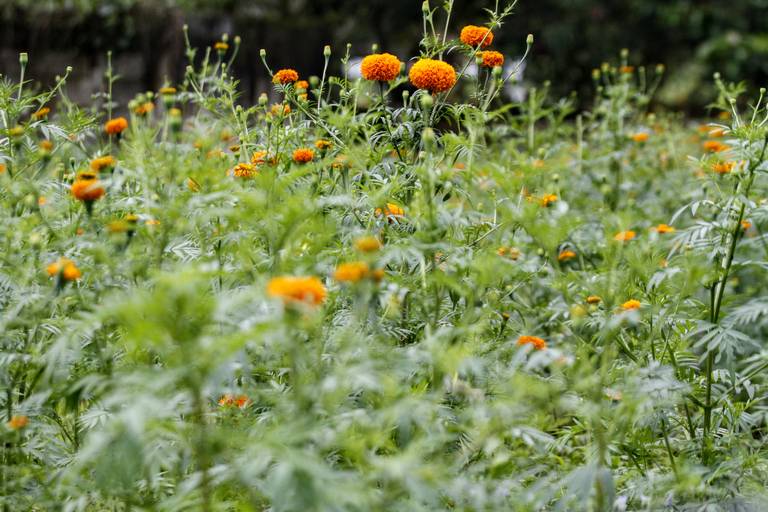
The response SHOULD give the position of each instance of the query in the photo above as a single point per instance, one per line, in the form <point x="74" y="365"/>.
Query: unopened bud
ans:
<point x="23" y="58"/>
<point x="327" y="51"/>
<point x="262" y="53"/>
<point x="263" y="99"/>
<point x="529" y="40"/>
<point x="425" y="6"/>
<point x="427" y="101"/>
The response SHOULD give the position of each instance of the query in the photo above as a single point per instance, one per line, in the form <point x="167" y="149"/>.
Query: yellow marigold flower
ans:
<point x="624" y="236"/>
<point x="221" y="46"/>
<point x="116" y="126"/>
<point x="491" y="59"/>
<point x="390" y="210"/>
<point x="664" y="228"/>
<point x="144" y="109"/>
<point x="285" y="76"/>
<point x="368" y="244"/>
<point x="101" y="163"/>
<point x="432" y="75"/>
<point x="65" y="268"/>
<point x="594" y="299"/>
<point x="17" y="422"/>
<point x="259" y="157"/>
<point x="547" y="200"/>
<point x="566" y="255"/>
<point x="323" y="144"/>
<point x="167" y="91"/>
<point x="244" y="170"/>
<point x="351" y="272"/>
<point x="41" y="113"/>
<point x="291" y="289"/>
<point x="538" y="343"/>
<point x="641" y="137"/>
<point x="473" y="35"/>
<point x="193" y="185"/>
<point x="152" y="222"/>
<point x="303" y="155"/>
<point x="46" y="145"/>
<point x="280" y="110"/>
<point x="340" y="162"/>
<point x="715" y="146"/>
<point x="631" y="305"/>
<point x="87" y="188"/>
<point x="380" y="67"/>
<point x="723" y="167"/>
<point x="378" y="274"/>
<point x="41" y="201"/>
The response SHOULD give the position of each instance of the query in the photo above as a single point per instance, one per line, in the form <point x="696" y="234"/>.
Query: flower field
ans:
<point x="402" y="291"/>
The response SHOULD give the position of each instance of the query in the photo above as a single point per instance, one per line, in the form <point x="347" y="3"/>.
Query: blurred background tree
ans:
<point x="693" y="38"/>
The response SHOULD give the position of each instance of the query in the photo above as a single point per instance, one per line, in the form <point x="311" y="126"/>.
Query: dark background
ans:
<point x="693" y="38"/>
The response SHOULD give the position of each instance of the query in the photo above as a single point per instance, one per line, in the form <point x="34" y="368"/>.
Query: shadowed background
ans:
<point x="693" y="38"/>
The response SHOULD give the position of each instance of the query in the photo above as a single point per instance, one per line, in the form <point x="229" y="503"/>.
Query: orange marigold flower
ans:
<point x="87" y="188"/>
<point x="715" y="146"/>
<point x="116" y="126"/>
<point x="664" y="228"/>
<point x="240" y="401"/>
<point x="367" y="244"/>
<point x="745" y="225"/>
<point x="594" y="299"/>
<point x="302" y="84"/>
<point x="17" y="422"/>
<point x="65" y="268"/>
<point x="641" y="137"/>
<point x="473" y="35"/>
<point x="631" y="305"/>
<point x="491" y="59"/>
<point x="380" y="67"/>
<point x="390" y="210"/>
<point x="566" y="255"/>
<point x="303" y="155"/>
<point x="627" y="69"/>
<point x="624" y="236"/>
<point x="432" y="75"/>
<point x="2" y="168"/>
<point x="323" y="144"/>
<point x="101" y="163"/>
<point x="351" y="272"/>
<point x="547" y="200"/>
<point x="717" y="132"/>
<point x="723" y="167"/>
<point x="244" y="170"/>
<point x="46" y="145"/>
<point x="41" y="113"/>
<point x="285" y="76"/>
<point x="538" y="343"/>
<point x="308" y="290"/>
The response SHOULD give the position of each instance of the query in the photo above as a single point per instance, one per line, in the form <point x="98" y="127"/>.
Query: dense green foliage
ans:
<point x="506" y="306"/>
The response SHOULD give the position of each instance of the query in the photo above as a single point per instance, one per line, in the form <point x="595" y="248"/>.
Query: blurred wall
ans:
<point x="692" y="37"/>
